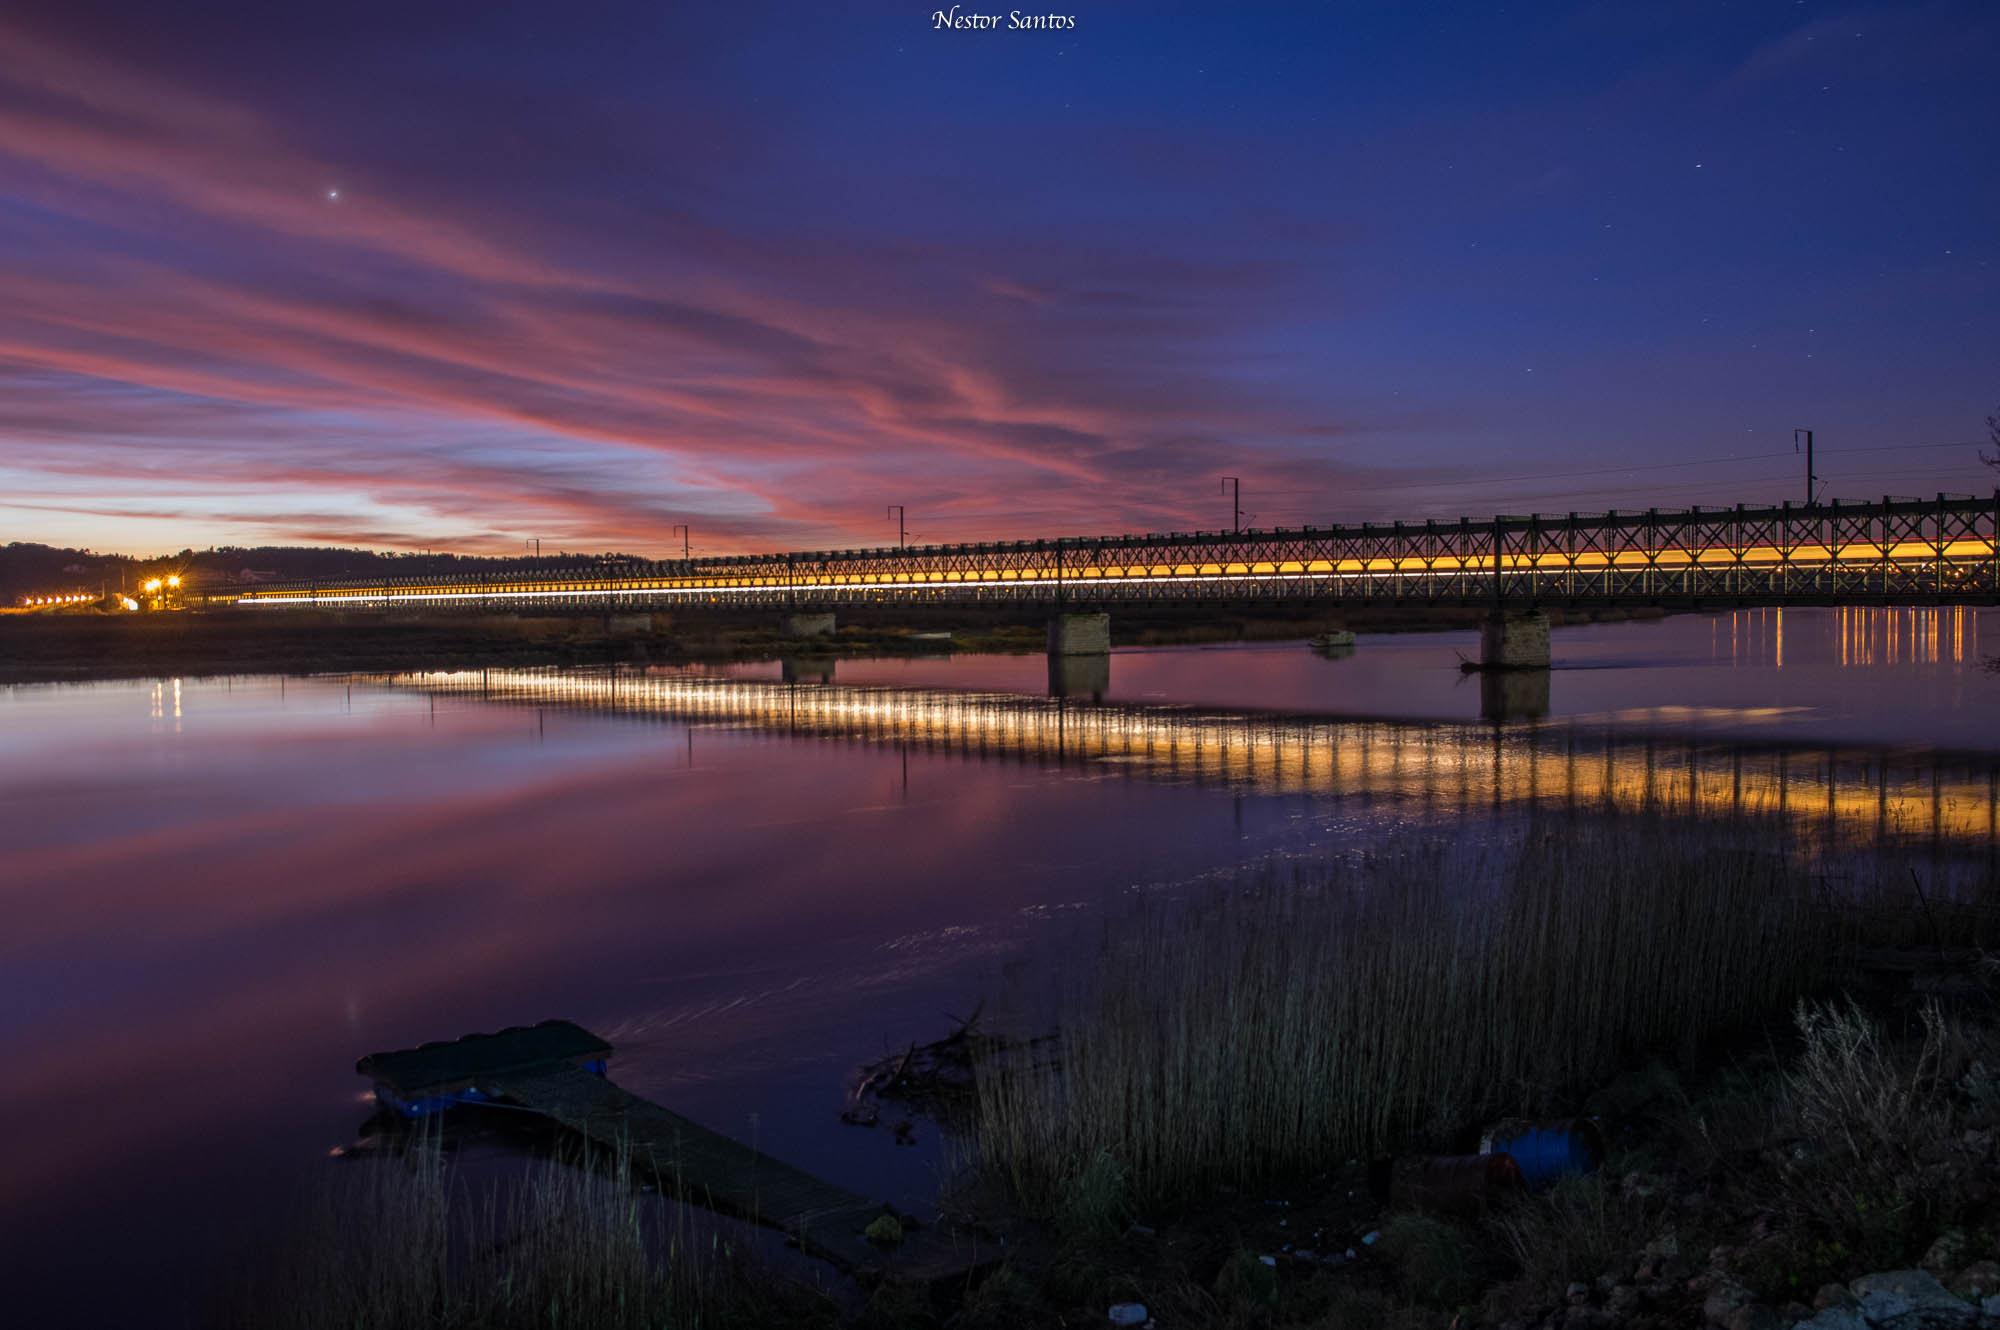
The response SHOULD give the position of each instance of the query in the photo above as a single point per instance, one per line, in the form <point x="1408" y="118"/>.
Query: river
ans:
<point x="221" y="892"/>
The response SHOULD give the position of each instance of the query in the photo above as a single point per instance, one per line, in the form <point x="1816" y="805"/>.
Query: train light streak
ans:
<point x="1907" y="552"/>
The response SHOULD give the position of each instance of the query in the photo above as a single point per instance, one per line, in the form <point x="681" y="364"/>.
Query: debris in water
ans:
<point x="934" y="1079"/>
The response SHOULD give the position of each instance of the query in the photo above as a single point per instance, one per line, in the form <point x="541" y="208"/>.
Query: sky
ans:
<point x="464" y="276"/>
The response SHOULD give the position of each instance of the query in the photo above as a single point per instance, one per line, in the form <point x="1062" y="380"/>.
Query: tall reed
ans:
<point x="382" y="1247"/>
<point x="1297" y="1019"/>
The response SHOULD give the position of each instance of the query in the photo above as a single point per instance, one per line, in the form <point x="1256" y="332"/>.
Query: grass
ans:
<point x="1434" y="1262"/>
<point x="1885" y="1137"/>
<point x="573" y="1246"/>
<point x="1579" y="1228"/>
<point x="1283" y="1025"/>
<point x="1848" y="1089"/>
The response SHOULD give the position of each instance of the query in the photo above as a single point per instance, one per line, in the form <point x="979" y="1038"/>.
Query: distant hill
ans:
<point x="30" y="569"/>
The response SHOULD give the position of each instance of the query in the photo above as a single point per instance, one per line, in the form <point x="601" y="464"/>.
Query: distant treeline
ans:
<point x="29" y="569"/>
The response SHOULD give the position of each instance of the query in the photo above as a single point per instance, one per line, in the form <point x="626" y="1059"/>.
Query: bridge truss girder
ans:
<point x="1898" y="551"/>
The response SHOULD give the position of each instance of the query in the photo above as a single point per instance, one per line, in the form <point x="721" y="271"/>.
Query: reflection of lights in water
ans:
<point x="1850" y="788"/>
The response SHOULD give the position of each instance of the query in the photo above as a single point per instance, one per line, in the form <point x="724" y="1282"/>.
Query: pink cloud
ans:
<point x="216" y="284"/>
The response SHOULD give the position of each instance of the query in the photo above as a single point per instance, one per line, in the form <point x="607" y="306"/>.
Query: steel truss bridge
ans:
<point x="1898" y="551"/>
<point x="1841" y="793"/>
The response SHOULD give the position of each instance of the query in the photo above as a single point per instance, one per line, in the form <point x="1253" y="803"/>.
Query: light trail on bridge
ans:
<point x="1896" y="551"/>
<point x="1847" y="793"/>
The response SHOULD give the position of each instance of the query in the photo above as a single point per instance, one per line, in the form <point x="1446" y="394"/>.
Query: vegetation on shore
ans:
<point x="1790" y="1045"/>
<point x="77" y="647"/>
<point x="27" y="568"/>
<point x="1351" y="1008"/>
<point x="573" y="1243"/>
<point x="1783" y="1111"/>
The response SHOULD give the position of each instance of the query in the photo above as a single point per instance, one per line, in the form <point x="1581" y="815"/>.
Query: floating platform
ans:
<point x="558" y="1069"/>
<point x="433" y="1077"/>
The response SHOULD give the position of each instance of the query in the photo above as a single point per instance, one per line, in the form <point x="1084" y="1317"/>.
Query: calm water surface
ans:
<point x="220" y="893"/>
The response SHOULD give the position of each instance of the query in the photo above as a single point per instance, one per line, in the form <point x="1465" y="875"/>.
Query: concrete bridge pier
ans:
<point x="1080" y="635"/>
<point x="1079" y="655"/>
<point x="1514" y="641"/>
<point x="817" y="624"/>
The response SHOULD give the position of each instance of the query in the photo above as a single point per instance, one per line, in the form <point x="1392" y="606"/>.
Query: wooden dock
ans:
<point x="544" y="1068"/>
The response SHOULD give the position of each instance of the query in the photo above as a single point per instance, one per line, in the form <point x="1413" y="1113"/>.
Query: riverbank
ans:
<point x="1788" y="1049"/>
<point x="1801" y="1160"/>
<point x="78" y="648"/>
<point x="82" y="646"/>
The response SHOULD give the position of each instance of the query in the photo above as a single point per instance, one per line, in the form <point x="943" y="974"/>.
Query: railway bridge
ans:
<point x="1898" y="551"/>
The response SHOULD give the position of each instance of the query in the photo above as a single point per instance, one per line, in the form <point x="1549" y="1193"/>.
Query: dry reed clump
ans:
<point x="398" y="1248"/>
<point x="1288" y="1023"/>
<point x="1853" y="1092"/>
<point x="1885" y="1139"/>
<point x="1576" y="1230"/>
<point x="1434" y="1261"/>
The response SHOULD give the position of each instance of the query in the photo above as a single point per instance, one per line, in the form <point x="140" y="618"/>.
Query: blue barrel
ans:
<point x="1547" y="1151"/>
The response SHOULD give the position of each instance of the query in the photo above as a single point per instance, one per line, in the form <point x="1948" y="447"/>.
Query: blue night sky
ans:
<point x="460" y="275"/>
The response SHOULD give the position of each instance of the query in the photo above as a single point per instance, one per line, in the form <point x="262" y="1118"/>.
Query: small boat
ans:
<point x="1332" y="640"/>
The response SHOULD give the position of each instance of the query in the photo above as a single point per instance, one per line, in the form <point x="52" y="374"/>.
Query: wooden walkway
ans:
<point x="701" y="1166"/>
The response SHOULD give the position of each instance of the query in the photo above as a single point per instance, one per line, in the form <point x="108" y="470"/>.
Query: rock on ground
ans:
<point x="1910" y="1300"/>
<point x="1834" y="1318"/>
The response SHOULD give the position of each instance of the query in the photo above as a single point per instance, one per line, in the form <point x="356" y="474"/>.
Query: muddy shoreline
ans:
<point x="87" y="646"/>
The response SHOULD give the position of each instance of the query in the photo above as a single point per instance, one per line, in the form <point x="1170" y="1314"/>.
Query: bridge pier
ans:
<point x="1514" y="641"/>
<point x="1080" y="635"/>
<point x="818" y="624"/>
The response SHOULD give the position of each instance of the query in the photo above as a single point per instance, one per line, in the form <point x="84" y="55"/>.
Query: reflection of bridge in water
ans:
<point x="1856" y="791"/>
